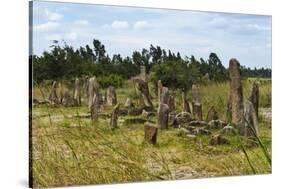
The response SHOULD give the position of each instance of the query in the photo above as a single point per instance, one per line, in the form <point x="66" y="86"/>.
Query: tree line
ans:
<point x="63" y="62"/>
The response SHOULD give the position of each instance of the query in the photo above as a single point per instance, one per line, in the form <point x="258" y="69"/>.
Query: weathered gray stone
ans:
<point x="114" y="116"/>
<point x="94" y="108"/>
<point x="212" y="114"/>
<point x="111" y="97"/>
<point x="53" y="97"/>
<point x="185" y="103"/>
<point x="197" y="111"/>
<point x="249" y="125"/>
<point x="164" y="97"/>
<point x="218" y="139"/>
<point x="197" y="123"/>
<point x="142" y="86"/>
<point x="150" y="132"/>
<point x="254" y="97"/>
<point x="162" y="116"/>
<point x="67" y="100"/>
<point x="143" y="73"/>
<point x="93" y="91"/>
<point x="181" y="118"/>
<point x="228" y="130"/>
<point x="216" y="124"/>
<point x="77" y="92"/>
<point x="235" y="106"/>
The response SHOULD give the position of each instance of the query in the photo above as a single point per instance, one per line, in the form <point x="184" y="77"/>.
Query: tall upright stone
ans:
<point x="114" y="116"/>
<point x="111" y="98"/>
<point x="77" y="92"/>
<point x="143" y="73"/>
<point x="254" y="97"/>
<point x="93" y="90"/>
<point x="162" y="116"/>
<point x="142" y="86"/>
<point x="185" y="103"/>
<point x="53" y="97"/>
<point x="164" y="97"/>
<point x="236" y="92"/>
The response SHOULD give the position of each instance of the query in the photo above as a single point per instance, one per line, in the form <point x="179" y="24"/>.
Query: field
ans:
<point x="68" y="149"/>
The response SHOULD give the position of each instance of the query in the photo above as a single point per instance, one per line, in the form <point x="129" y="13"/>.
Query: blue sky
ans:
<point x="126" y="29"/>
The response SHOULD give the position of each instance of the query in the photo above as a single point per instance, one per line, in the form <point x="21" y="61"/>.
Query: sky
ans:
<point x="126" y="29"/>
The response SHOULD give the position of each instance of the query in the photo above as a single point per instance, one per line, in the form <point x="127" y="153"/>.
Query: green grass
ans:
<point x="67" y="150"/>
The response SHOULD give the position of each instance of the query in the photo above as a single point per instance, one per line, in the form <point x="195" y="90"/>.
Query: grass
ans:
<point x="67" y="150"/>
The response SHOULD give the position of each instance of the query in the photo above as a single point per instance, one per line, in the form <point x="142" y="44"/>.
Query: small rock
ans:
<point x="218" y="139"/>
<point x="183" y="132"/>
<point x="197" y="123"/>
<point x="228" y="130"/>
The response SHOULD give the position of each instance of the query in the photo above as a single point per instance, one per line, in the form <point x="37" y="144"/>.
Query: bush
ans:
<point x="110" y="80"/>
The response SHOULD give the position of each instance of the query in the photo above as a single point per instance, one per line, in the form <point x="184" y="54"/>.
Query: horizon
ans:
<point x="126" y="29"/>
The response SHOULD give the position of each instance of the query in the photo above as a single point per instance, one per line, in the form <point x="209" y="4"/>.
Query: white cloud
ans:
<point x="142" y="25"/>
<point x="53" y="16"/>
<point x="119" y="24"/>
<point x="82" y="22"/>
<point x="71" y="36"/>
<point x="46" y="26"/>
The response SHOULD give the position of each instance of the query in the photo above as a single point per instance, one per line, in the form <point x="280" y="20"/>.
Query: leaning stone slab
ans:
<point x="150" y="132"/>
<point x="53" y="97"/>
<point x="114" y="116"/>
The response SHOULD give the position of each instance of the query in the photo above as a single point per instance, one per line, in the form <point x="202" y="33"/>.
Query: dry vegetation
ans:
<point x="68" y="149"/>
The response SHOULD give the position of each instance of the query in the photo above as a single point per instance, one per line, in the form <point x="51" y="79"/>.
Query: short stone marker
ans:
<point x="111" y="97"/>
<point x="150" y="132"/>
